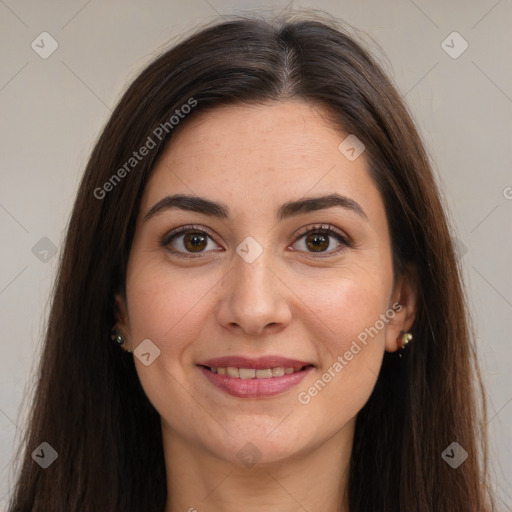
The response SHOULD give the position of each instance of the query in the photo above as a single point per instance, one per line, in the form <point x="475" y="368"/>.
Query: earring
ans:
<point x="118" y="338"/>
<point x="405" y="338"/>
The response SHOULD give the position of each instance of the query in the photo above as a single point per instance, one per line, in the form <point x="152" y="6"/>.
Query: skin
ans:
<point x="291" y="301"/>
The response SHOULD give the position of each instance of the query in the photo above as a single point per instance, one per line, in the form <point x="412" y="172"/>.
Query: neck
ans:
<point x="315" y="480"/>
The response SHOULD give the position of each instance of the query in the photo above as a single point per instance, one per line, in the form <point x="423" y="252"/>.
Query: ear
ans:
<point x="404" y="303"/>
<point x="122" y="318"/>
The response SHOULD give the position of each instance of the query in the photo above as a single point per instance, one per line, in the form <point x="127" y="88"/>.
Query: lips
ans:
<point x="254" y="378"/>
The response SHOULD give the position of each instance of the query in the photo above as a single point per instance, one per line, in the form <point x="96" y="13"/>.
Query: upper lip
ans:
<point x="257" y="363"/>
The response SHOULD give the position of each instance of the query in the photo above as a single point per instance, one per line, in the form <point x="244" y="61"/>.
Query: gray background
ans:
<point x="53" y="110"/>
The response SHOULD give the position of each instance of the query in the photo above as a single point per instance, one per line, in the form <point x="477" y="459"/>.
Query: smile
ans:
<point x="252" y="382"/>
<point x="253" y="373"/>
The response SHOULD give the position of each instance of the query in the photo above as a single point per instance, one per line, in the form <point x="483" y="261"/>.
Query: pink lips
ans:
<point x="255" y="388"/>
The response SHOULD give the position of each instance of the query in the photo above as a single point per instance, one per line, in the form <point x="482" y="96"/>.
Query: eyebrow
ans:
<point x="287" y="210"/>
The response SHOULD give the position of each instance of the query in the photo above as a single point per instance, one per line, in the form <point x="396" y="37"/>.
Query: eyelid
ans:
<point x="185" y="229"/>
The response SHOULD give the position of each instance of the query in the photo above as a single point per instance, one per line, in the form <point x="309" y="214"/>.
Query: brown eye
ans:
<point x="194" y="242"/>
<point x="319" y="239"/>
<point x="187" y="241"/>
<point x="317" y="242"/>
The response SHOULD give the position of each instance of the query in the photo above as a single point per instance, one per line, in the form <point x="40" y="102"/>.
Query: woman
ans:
<point x="258" y="304"/>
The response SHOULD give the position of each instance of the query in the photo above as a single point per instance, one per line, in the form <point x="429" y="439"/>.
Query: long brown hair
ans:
<point x="89" y="404"/>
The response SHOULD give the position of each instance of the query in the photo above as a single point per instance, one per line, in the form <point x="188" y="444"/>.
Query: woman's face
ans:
<point x="261" y="282"/>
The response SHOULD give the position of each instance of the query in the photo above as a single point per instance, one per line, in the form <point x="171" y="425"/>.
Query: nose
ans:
<point x="255" y="300"/>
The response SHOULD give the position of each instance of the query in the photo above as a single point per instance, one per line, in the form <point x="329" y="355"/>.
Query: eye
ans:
<point x="186" y="238"/>
<point x="192" y="241"/>
<point x="316" y="239"/>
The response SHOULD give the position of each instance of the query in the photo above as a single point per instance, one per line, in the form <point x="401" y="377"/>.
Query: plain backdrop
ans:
<point x="53" y="108"/>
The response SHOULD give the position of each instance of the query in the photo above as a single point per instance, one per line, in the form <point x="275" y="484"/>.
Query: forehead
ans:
<point x="256" y="157"/>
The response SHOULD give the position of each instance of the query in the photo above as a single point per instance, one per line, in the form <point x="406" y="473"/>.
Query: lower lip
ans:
<point x="255" y="388"/>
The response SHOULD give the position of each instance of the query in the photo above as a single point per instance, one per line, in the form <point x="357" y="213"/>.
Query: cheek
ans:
<point x="164" y="304"/>
<point x="350" y="306"/>
<point x="350" y="343"/>
<point x="166" y="307"/>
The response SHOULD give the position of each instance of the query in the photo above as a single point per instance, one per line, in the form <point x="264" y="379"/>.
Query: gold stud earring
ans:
<point x="406" y="338"/>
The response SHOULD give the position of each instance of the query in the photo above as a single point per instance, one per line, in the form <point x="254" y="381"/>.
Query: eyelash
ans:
<point x="324" y="229"/>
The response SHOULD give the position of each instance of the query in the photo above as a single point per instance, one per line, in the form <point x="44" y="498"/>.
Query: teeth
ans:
<point x="232" y="372"/>
<point x="246" y="373"/>
<point x="264" y="374"/>
<point x="251" y="373"/>
<point x="277" y="372"/>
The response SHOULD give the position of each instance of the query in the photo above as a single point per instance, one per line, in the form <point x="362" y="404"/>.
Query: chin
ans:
<point x="258" y="446"/>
